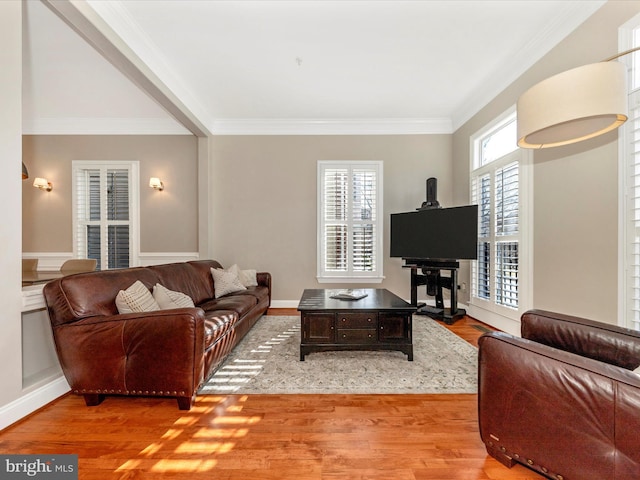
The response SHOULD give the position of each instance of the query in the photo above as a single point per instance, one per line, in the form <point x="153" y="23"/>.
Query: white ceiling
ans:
<point x="290" y="66"/>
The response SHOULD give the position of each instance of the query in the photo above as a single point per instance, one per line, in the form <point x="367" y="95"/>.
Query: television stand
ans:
<point x="435" y="282"/>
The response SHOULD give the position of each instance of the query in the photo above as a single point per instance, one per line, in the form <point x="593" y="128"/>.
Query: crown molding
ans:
<point x="103" y="126"/>
<point x="293" y="126"/>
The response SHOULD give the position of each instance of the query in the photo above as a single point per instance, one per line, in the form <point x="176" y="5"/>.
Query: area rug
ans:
<point x="267" y="360"/>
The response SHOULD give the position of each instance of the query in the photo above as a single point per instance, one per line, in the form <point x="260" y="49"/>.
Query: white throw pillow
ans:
<point x="168" y="299"/>
<point x="636" y="370"/>
<point x="136" y="298"/>
<point x="248" y="278"/>
<point x="225" y="282"/>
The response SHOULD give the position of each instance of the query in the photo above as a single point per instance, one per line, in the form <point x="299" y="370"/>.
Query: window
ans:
<point x="105" y="214"/>
<point x="498" y="180"/>
<point x="349" y="221"/>
<point x="629" y="160"/>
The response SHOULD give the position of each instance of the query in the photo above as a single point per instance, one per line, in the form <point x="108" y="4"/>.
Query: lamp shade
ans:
<point x="25" y="172"/>
<point x="573" y="106"/>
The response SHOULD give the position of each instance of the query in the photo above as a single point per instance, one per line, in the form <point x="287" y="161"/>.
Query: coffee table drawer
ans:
<point x="357" y="336"/>
<point x="357" y="320"/>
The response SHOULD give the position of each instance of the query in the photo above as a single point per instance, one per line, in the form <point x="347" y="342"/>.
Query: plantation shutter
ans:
<point x="507" y="211"/>
<point x="481" y="195"/>
<point x="632" y="260"/>
<point x="102" y="201"/>
<point x="364" y="217"/>
<point x="349" y="234"/>
<point x="335" y="219"/>
<point x="118" y="218"/>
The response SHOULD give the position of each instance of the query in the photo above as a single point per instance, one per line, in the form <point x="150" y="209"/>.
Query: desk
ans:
<point x="32" y="284"/>
<point x="37" y="276"/>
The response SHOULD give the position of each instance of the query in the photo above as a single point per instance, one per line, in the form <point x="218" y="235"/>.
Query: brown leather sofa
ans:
<point x="159" y="353"/>
<point x="563" y="399"/>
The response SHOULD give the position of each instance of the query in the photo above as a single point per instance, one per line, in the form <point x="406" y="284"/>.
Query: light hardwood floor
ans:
<point x="243" y="437"/>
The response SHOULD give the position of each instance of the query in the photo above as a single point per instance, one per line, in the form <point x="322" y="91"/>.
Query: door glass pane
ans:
<point x="117" y="195"/>
<point x="118" y="246"/>
<point x="93" y="177"/>
<point x="93" y="244"/>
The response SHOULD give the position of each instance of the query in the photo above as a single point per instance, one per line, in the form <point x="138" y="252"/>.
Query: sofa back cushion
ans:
<point x="588" y="338"/>
<point x="90" y="294"/>
<point x="203" y="273"/>
<point x="183" y="277"/>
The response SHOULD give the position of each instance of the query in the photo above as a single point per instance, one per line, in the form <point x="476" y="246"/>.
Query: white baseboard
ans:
<point x="30" y="402"/>
<point x="284" y="303"/>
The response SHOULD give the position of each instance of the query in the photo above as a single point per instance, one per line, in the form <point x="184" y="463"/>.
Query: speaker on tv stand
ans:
<point x="432" y="195"/>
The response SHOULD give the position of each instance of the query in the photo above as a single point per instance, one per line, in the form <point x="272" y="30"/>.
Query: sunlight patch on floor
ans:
<point x="231" y="377"/>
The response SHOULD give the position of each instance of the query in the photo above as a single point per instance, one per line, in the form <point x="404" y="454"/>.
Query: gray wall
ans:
<point x="264" y="199"/>
<point x="168" y="219"/>
<point x="575" y="187"/>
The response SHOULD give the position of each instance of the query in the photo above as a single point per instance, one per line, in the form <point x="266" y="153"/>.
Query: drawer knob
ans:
<point x="368" y="319"/>
<point x="344" y="319"/>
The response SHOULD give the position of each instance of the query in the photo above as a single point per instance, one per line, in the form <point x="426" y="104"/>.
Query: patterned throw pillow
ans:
<point x="168" y="299"/>
<point x="225" y="282"/>
<point x="248" y="278"/>
<point x="136" y="298"/>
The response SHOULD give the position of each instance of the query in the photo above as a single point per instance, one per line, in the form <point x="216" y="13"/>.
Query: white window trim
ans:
<point x="134" y="233"/>
<point x="351" y="277"/>
<point x="504" y="318"/>
<point x="625" y="42"/>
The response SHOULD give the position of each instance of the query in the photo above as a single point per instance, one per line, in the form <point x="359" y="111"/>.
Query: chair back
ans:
<point x="77" y="265"/>
<point x="29" y="264"/>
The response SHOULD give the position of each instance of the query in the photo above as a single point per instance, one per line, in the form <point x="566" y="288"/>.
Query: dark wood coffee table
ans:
<point x="379" y="321"/>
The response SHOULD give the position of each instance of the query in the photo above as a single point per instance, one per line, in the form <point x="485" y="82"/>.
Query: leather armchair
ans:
<point x="563" y="400"/>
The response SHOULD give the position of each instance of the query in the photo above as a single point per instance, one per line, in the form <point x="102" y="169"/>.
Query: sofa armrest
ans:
<point x="557" y="412"/>
<point x="264" y="280"/>
<point x="599" y="341"/>
<point x="152" y="353"/>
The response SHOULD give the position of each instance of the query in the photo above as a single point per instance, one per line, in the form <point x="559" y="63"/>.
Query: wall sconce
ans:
<point x="42" y="184"/>
<point x="25" y="172"/>
<point x="155" y="182"/>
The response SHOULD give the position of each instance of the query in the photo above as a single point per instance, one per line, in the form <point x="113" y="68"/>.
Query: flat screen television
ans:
<point x="436" y="234"/>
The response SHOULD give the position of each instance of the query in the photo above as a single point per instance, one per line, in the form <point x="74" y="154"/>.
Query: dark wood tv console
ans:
<point x="379" y="321"/>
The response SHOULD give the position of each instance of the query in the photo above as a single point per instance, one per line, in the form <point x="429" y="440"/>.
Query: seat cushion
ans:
<point x="261" y="293"/>
<point x="240" y="304"/>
